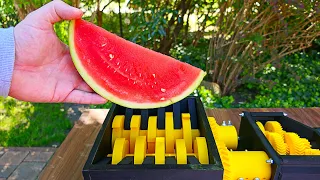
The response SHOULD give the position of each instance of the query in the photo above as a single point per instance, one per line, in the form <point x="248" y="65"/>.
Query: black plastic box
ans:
<point x="98" y="165"/>
<point x="285" y="167"/>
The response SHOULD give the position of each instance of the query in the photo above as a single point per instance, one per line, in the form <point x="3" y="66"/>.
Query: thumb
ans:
<point x="56" y="11"/>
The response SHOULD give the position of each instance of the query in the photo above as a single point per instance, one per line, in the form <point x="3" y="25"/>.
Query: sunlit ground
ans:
<point x="28" y="124"/>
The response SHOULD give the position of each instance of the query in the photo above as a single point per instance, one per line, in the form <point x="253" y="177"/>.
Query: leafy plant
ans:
<point x="293" y="83"/>
<point x="210" y="100"/>
<point x="249" y="35"/>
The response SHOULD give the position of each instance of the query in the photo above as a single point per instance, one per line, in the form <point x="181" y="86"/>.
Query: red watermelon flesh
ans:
<point x="126" y="73"/>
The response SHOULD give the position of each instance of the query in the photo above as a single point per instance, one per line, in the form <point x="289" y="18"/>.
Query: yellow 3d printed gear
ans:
<point x="306" y="143"/>
<point x="181" y="151"/>
<point x="201" y="150"/>
<point x="225" y="159"/>
<point x="274" y="126"/>
<point x="295" y="144"/>
<point x="169" y="132"/>
<point x="134" y="131"/>
<point x="120" y="149"/>
<point x="117" y="127"/>
<point x="187" y="134"/>
<point x="152" y="133"/>
<point x="228" y="134"/>
<point x="312" y="152"/>
<point x="261" y="127"/>
<point x="140" y="150"/>
<point x="277" y="143"/>
<point x="160" y="150"/>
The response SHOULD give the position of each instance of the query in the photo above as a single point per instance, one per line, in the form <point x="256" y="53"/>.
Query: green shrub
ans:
<point x="194" y="55"/>
<point x="210" y="100"/>
<point x="295" y="82"/>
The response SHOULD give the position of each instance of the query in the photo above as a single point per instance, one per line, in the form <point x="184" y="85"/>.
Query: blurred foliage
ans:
<point x="248" y="35"/>
<point x="8" y="15"/>
<point x="191" y="54"/>
<point x="32" y="124"/>
<point x="210" y="100"/>
<point x="295" y="82"/>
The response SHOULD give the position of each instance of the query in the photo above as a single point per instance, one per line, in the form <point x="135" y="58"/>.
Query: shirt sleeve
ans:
<point x="7" y="57"/>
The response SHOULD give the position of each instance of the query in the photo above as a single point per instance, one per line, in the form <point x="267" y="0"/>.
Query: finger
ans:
<point x="81" y="97"/>
<point x="83" y="86"/>
<point x="58" y="10"/>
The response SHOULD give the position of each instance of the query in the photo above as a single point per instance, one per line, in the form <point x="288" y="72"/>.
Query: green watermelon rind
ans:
<point x="115" y="99"/>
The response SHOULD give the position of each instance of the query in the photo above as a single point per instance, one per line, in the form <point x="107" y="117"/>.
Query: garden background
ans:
<point x="256" y="53"/>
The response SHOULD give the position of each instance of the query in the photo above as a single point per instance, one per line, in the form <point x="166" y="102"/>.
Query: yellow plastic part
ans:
<point x="312" y="152"/>
<point x="121" y="148"/>
<point x="140" y="150"/>
<point x="169" y="132"/>
<point x="306" y="143"/>
<point x="201" y="150"/>
<point x="277" y="143"/>
<point x="266" y="133"/>
<point x="296" y="145"/>
<point x="214" y="128"/>
<point x="134" y="130"/>
<point x="161" y="133"/>
<point x="160" y="150"/>
<point x="126" y="134"/>
<point x="274" y="126"/>
<point x="181" y="151"/>
<point x="187" y="134"/>
<point x="152" y="129"/>
<point x="261" y="127"/>
<point x="151" y="147"/>
<point x="225" y="159"/>
<point x="178" y="134"/>
<point x="250" y="165"/>
<point x="143" y="133"/>
<point x="117" y="127"/>
<point x="195" y="133"/>
<point x="228" y="134"/>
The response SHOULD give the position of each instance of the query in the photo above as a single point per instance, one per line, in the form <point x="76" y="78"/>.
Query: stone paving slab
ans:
<point x="41" y="149"/>
<point x="13" y="157"/>
<point x="38" y="156"/>
<point x="27" y="171"/>
<point x="5" y="171"/>
<point x="23" y="162"/>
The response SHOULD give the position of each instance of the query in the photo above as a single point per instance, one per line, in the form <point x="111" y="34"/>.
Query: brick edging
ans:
<point x="31" y="149"/>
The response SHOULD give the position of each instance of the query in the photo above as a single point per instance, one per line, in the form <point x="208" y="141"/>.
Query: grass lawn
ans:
<point x="31" y="124"/>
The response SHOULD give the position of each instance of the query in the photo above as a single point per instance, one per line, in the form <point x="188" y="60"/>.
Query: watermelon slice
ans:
<point x="126" y="73"/>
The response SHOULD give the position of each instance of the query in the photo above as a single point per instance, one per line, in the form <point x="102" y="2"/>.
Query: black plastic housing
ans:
<point x="98" y="165"/>
<point x="285" y="167"/>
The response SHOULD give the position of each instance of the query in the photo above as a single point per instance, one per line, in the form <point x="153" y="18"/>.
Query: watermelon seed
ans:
<point x="111" y="56"/>
<point x="103" y="45"/>
<point x="162" y="99"/>
<point x="155" y="82"/>
<point x="126" y="70"/>
<point x="108" y="66"/>
<point x="163" y="90"/>
<point x="152" y="86"/>
<point x="118" y="63"/>
<point x="154" y="75"/>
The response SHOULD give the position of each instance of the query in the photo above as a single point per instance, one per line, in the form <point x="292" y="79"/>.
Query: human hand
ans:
<point x="43" y="69"/>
